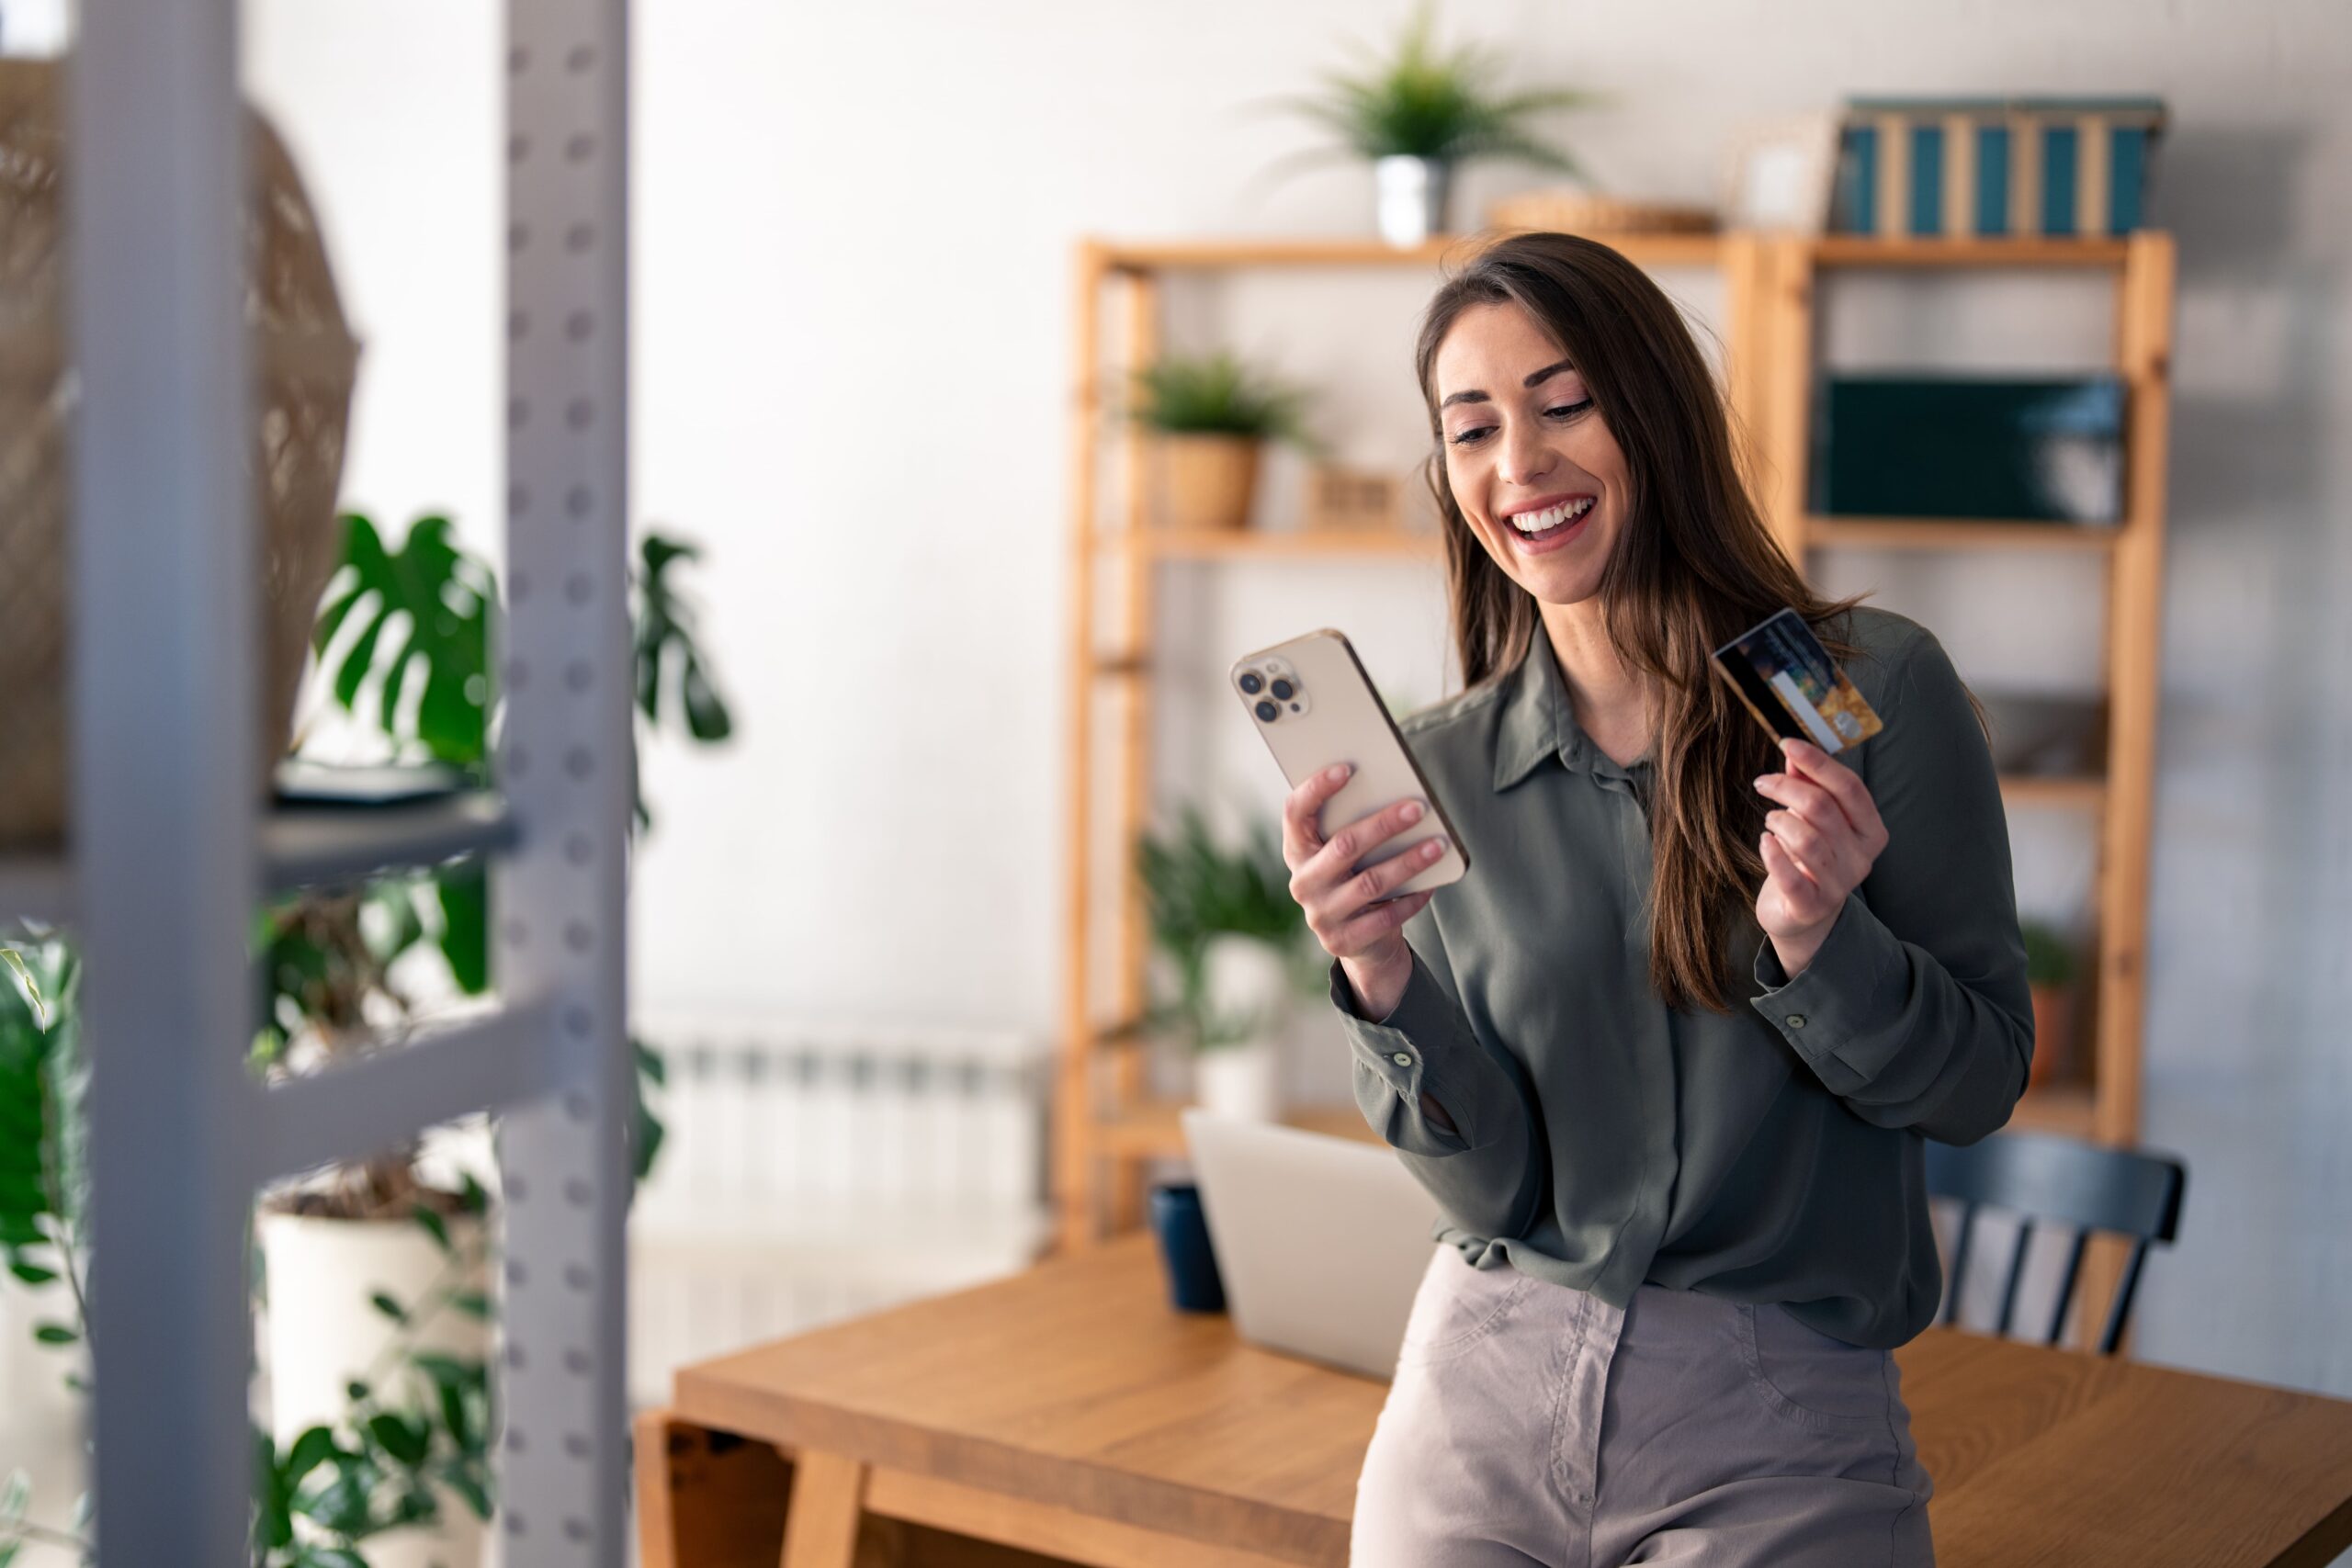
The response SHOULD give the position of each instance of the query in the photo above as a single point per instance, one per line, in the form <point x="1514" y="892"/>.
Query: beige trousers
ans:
<point x="1532" y="1423"/>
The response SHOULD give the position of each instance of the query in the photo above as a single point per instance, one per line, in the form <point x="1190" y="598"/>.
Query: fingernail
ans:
<point x="1412" y="812"/>
<point x="1763" y="779"/>
<point x="1434" y="849"/>
<point x="1336" y="773"/>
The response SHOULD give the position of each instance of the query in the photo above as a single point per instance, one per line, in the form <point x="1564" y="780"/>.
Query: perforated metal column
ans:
<point x="163" y="672"/>
<point x="565" y="764"/>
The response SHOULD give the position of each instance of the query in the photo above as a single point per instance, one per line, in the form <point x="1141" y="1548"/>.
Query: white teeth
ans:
<point x="1551" y="517"/>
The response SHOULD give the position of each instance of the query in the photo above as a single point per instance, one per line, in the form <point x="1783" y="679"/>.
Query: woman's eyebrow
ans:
<point x="1535" y="380"/>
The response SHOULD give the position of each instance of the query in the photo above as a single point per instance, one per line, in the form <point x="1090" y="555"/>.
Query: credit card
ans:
<point x="1796" y="690"/>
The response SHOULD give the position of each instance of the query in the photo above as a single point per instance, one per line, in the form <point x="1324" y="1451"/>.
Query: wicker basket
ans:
<point x="304" y="360"/>
<point x="1579" y="212"/>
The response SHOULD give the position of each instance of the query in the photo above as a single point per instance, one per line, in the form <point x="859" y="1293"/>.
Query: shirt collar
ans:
<point x="1538" y="722"/>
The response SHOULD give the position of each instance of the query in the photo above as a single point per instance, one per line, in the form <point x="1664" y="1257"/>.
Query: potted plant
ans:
<point x="2051" y="967"/>
<point x="1230" y="932"/>
<point x="1422" y="113"/>
<point x="1212" y="415"/>
<point x="377" y="1334"/>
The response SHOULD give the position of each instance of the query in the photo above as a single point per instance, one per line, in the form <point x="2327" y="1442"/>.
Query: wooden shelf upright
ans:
<point x="1104" y="1128"/>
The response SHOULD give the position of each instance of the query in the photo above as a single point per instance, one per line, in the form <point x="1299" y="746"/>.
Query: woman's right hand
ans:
<point x="1367" y="940"/>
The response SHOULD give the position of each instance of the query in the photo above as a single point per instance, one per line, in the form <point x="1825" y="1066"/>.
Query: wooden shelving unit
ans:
<point x="1105" y="1126"/>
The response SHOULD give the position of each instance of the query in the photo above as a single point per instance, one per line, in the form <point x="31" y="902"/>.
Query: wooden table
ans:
<point x="1070" y="1412"/>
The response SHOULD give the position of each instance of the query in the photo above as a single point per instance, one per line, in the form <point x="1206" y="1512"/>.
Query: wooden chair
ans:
<point x="2045" y="1179"/>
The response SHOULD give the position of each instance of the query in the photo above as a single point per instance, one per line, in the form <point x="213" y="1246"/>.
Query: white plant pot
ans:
<point x="1411" y="198"/>
<point x="1243" y="1082"/>
<point x="1248" y="983"/>
<point x="321" y="1333"/>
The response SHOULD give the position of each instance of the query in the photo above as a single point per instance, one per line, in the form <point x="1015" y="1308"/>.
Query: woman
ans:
<point x="1665" y="1059"/>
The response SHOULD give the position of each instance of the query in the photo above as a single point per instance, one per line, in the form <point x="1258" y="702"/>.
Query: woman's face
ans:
<point x="1525" y="445"/>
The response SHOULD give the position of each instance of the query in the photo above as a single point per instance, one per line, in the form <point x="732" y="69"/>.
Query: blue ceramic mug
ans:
<point x="1192" y="1282"/>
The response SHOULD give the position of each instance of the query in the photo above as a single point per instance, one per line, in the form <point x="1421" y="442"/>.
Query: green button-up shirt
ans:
<point x="1604" y="1139"/>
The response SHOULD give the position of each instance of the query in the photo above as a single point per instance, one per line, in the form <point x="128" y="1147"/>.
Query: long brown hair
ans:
<point x="1693" y="568"/>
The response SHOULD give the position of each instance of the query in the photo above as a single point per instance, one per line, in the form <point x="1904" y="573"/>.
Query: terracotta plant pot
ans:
<point x="1207" y="482"/>
<point x="2053" y="1028"/>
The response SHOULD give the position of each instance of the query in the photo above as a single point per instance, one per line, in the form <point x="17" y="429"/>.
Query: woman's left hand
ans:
<point x="1817" y="848"/>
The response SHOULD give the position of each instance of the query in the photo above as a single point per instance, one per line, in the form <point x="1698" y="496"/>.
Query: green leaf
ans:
<point x="32" y="1274"/>
<point x="665" y="640"/>
<point x="57" y="1334"/>
<point x="358" y="1393"/>
<point x="454" y="1383"/>
<point x="388" y="1306"/>
<point x="273" y="1505"/>
<point x="464" y="890"/>
<point x="330" y="1557"/>
<point x="446" y="600"/>
<point x="405" y="1440"/>
<point x="473" y="1194"/>
<point x="473" y="1304"/>
<point x="461" y="1479"/>
<point x="313" y="1448"/>
<point x="434" y="1226"/>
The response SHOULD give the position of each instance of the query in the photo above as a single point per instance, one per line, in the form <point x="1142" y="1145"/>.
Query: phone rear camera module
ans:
<point x="1268" y="712"/>
<point x="1250" y="684"/>
<point x="1283" y="690"/>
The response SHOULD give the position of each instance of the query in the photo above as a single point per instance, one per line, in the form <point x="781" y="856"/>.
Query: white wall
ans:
<point x="853" y="236"/>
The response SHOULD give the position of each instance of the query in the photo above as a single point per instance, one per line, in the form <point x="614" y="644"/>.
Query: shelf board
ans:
<point x="302" y="846"/>
<point x="1145" y="255"/>
<point x="2053" y="789"/>
<point x="1958" y="534"/>
<point x="1148" y="1129"/>
<point x="2033" y="249"/>
<point x="305" y="845"/>
<point x="1164" y="544"/>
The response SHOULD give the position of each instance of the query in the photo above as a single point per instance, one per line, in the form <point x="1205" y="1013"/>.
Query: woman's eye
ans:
<point x="1561" y="411"/>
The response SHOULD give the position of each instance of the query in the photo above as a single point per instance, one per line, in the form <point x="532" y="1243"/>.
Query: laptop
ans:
<point x="1320" y="1241"/>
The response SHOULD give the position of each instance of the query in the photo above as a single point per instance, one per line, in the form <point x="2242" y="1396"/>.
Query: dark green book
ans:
<point x="2038" y="450"/>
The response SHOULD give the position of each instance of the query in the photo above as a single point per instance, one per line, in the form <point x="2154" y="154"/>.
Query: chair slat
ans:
<point x="2066" y="1287"/>
<point x="1959" y="1263"/>
<point x="2113" y="1334"/>
<point x="2017" y="1273"/>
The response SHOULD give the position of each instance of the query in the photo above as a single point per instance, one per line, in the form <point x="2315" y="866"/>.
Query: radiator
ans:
<point x="812" y="1173"/>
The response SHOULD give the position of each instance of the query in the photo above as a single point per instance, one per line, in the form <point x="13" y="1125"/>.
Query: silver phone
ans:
<point x="1313" y="703"/>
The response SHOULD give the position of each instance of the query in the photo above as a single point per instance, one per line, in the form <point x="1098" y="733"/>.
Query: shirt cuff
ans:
<point x="1841" y="994"/>
<point x="1410" y="1048"/>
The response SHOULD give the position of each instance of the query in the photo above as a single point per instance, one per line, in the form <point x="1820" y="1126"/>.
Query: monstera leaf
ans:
<point x="665" y="640"/>
<point x="437" y="605"/>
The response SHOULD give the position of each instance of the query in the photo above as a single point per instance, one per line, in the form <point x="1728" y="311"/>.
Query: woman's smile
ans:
<point x="1548" y="522"/>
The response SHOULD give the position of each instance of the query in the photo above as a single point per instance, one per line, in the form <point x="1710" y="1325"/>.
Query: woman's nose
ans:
<point x="1525" y="459"/>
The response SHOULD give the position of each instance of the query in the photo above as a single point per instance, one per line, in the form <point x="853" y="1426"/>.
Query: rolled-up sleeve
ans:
<point x="1483" y="1175"/>
<point x="1915" y="1011"/>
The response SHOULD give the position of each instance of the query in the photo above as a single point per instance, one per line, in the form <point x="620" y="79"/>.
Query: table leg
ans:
<point x="821" y="1528"/>
<point x="706" y="1499"/>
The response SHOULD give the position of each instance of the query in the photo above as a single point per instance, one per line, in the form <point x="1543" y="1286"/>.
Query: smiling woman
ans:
<point x="1671" y="1050"/>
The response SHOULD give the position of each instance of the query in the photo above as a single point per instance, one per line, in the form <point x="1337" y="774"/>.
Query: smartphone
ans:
<point x="1796" y="690"/>
<point x="1312" y="702"/>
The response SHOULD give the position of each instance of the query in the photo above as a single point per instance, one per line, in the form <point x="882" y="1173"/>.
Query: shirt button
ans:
<point x="1797" y="1021"/>
<point x="1402" y="1058"/>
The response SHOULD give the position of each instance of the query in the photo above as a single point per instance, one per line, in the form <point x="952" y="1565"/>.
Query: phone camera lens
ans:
<point x="1250" y="684"/>
<point x="1269" y="712"/>
<point x="1282" y="691"/>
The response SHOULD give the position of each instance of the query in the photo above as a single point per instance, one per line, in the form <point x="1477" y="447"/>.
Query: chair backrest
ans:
<point x="2042" y="1178"/>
